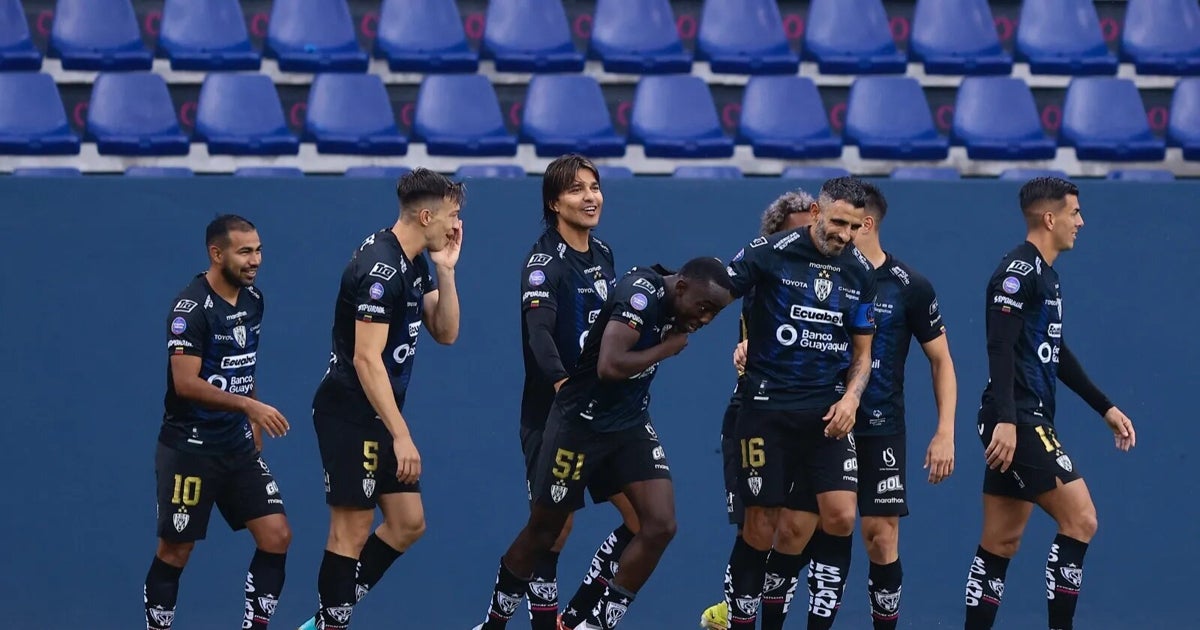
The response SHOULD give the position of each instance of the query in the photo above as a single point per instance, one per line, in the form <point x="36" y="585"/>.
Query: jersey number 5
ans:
<point x="565" y="461"/>
<point x="370" y="456"/>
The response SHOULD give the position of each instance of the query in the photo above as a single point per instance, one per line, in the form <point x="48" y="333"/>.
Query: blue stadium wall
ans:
<point x="92" y="264"/>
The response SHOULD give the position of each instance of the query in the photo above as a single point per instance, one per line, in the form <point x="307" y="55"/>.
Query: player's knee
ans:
<point x="407" y="531"/>
<point x="759" y="529"/>
<point x="175" y="554"/>
<point x="275" y="539"/>
<point x="794" y="530"/>
<point x="838" y="520"/>
<point x="881" y="538"/>
<point x="658" y="530"/>
<point x="1081" y="525"/>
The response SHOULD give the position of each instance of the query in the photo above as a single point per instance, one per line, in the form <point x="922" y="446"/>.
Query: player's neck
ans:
<point x="1044" y="242"/>
<point x="871" y="248"/>
<point x="221" y="286"/>
<point x="411" y="238"/>
<point x="575" y="237"/>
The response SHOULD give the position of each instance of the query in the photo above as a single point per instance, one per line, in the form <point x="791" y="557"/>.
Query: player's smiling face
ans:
<point x="1067" y="221"/>
<point x="579" y="206"/>
<point x="239" y="261"/>
<point x="836" y="226"/>
<point x="697" y="303"/>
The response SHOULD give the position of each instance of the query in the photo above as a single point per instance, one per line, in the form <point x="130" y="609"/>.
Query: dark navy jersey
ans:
<point x="1025" y="286"/>
<point x="604" y="406"/>
<point x="906" y="308"/>
<point x="805" y="308"/>
<point x="743" y="318"/>
<point x="572" y="284"/>
<point x="225" y="337"/>
<point x="381" y="285"/>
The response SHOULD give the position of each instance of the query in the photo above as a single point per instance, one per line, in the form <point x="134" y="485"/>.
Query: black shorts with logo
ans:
<point x="786" y="460"/>
<point x="881" y="475"/>
<point x="531" y="446"/>
<point x="1039" y="462"/>
<point x="189" y="484"/>
<point x="356" y="452"/>
<point x="573" y="456"/>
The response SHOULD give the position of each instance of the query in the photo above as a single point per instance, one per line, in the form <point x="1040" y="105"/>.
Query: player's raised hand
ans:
<point x="1122" y="428"/>
<point x="939" y="458"/>
<point x="1000" y="451"/>
<point x="448" y="256"/>
<point x="408" y="460"/>
<point x="739" y="357"/>
<point x="267" y="417"/>
<point x="841" y="417"/>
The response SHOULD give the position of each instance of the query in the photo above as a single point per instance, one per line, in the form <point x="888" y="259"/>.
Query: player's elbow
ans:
<point x="366" y="362"/>
<point x="607" y="370"/>
<point x="446" y="337"/>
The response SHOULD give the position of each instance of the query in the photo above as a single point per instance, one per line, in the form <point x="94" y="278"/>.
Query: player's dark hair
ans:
<point x="1041" y="189"/>
<point x="852" y="190"/>
<point x="217" y="232"/>
<point x="707" y="269"/>
<point x="876" y="202"/>
<point x="422" y="185"/>
<point x="559" y="176"/>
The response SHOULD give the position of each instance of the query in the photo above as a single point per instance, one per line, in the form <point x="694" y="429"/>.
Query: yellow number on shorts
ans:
<point x="564" y="461"/>
<point x="1046" y="439"/>
<point x="370" y="456"/>
<point x="753" y="455"/>
<point x="187" y="491"/>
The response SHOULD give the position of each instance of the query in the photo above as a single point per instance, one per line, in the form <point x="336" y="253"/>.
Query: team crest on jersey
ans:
<point x="601" y="288"/>
<point x="823" y="286"/>
<point x="755" y="484"/>
<point x="558" y="492"/>
<point x="180" y="520"/>
<point x="239" y="335"/>
<point x="368" y="486"/>
<point x="1065" y="461"/>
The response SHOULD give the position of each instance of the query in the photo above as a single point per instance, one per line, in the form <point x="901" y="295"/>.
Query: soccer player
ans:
<point x="1026" y="464"/>
<point x="209" y="445"/>
<point x="367" y="447"/>
<point x="599" y="432"/>
<point x="564" y="283"/>
<point x="790" y="211"/>
<point x="905" y="308"/>
<point x="808" y="361"/>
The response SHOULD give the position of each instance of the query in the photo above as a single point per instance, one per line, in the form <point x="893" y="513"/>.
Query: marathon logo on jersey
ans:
<point x="1019" y="267"/>
<point x="239" y="361"/>
<point x="758" y="242"/>
<point x="539" y="260"/>
<point x="184" y="306"/>
<point x="380" y="270"/>
<point x="787" y="240"/>
<point x="238" y="316"/>
<point x="823" y="286"/>
<point x="1054" y="331"/>
<point x="902" y="275"/>
<point x="816" y="315"/>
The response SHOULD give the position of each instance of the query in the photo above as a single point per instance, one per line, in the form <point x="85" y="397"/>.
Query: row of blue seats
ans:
<point x="673" y="116"/>
<point x="628" y="36"/>
<point x="608" y="172"/>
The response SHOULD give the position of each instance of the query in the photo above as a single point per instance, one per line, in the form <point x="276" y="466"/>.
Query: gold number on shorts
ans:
<point x="1047" y="439"/>
<point x="370" y="456"/>
<point x="565" y="461"/>
<point x="753" y="455"/>
<point x="187" y="491"/>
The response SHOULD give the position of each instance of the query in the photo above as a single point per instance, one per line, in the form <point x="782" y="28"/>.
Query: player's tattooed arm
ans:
<point x="860" y="365"/>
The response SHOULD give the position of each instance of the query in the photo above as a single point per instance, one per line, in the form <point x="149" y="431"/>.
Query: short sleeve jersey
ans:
<point x="605" y="406"/>
<point x="574" y="285"/>
<point x="225" y="337"/>
<point x="806" y="306"/>
<point x="1024" y="285"/>
<point x="906" y="308"/>
<point x="382" y="285"/>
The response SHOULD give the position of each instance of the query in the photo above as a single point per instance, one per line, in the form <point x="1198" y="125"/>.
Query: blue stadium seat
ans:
<point x="32" y="118"/>
<point x="314" y="36"/>
<point x="851" y="37"/>
<point x="47" y="171"/>
<point x="240" y="114"/>
<point x="957" y="37"/>
<point x="423" y="36"/>
<point x="1142" y="175"/>
<point x="675" y="117"/>
<point x="1162" y="36"/>
<point x="708" y="172"/>
<point x="1183" y="129"/>
<point x="506" y="171"/>
<point x="614" y="172"/>
<point x="1063" y="37"/>
<point x="97" y="35"/>
<point x="529" y="36"/>
<point x="745" y="37"/>
<point x="159" y="171"/>
<point x="352" y="114"/>
<point x="130" y="113"/>
<point x="17" y="51"/>
<point x="567" y="114"/>
<point x="388" y="172"/>
<point x="925" y="173"/>
<point x="783" y="117"/>
<point x="638" y="37"/>
<point x="1026" y="174"/>
<point x="206" y="36"/>
<point x="1105" y="119"/>
<point x="889" y="118"/>
<point x="814" y="172"/>
<point x="996" y="119"/>
<point x="459" y="114"/>
<point x="268" y="171"/>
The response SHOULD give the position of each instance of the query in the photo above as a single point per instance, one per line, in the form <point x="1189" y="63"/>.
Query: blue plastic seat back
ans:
<point x="32" y="117"/>
<point x="314" y="32"/>
<point x="211" y="32"/>
<point x="995" y="108"/>
<point x="675" y="106"/>
<point x="1062" y="28"/>
<point x="458" y="106"/>
<point x="349" y="105"/>
<point x="565" y="105"/>
<point x="17" y="51"/>
<point x="98" y="34"/>
<point x="742" y="28"/>
<point x="428" y="32"/>
<point x="131" y="105"/>
<point x="641" y="27"/>
<point x="848" y="28"/>
<point x="526" y="27"/>
<point x="954" y="28"/>
<point x="1184" y="124"/>
<point x="782" y="107"/>
<point x="1104" y="109"/>
<point x="888" y="108"/>
<point x="239" y="106"/>
<point x="1165" y="33"/>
